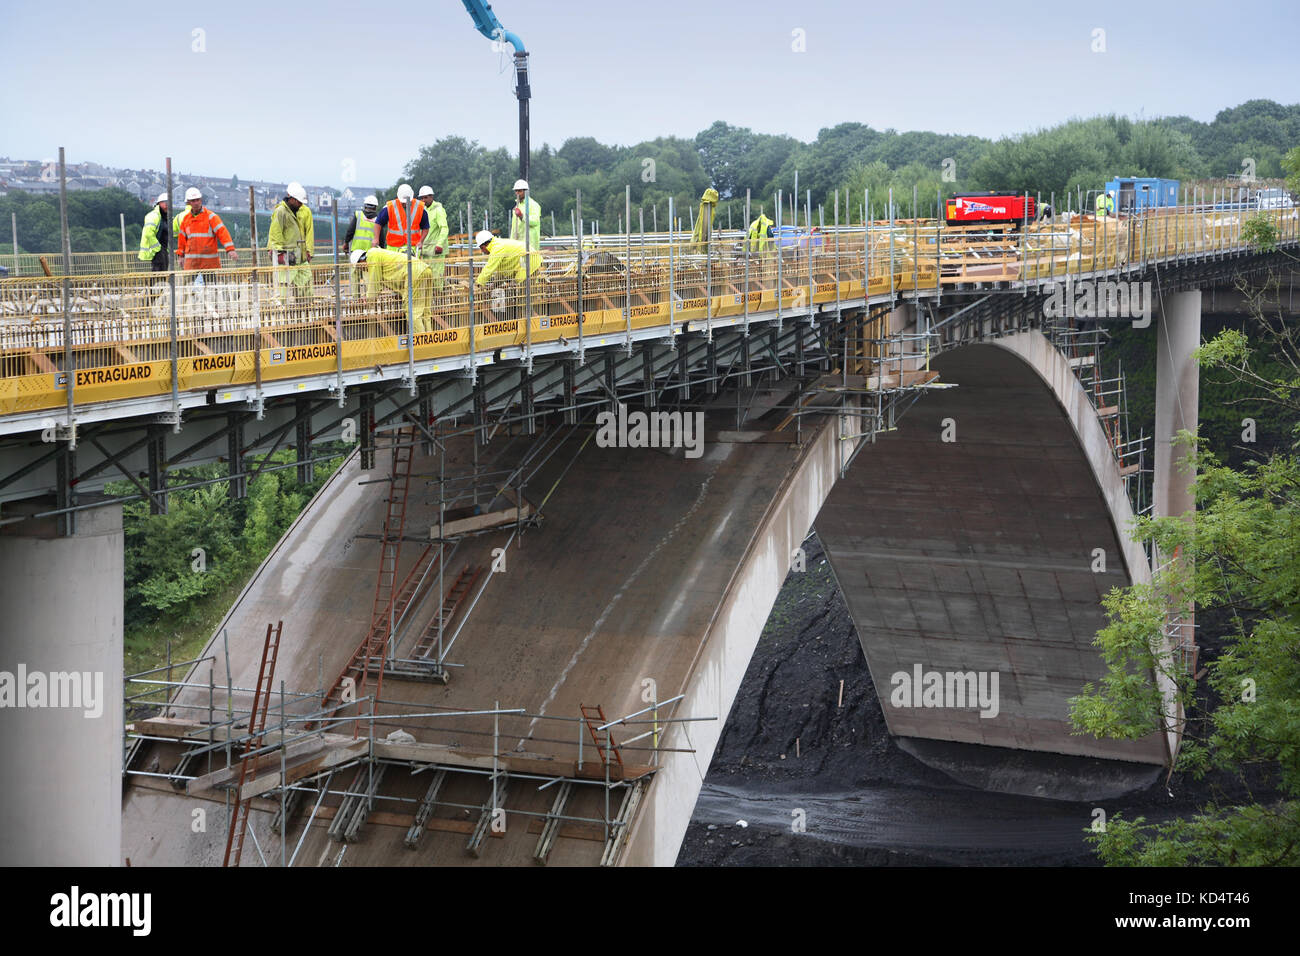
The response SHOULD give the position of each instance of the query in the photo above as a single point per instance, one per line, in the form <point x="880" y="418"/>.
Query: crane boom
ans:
<point x="486" y="22"/>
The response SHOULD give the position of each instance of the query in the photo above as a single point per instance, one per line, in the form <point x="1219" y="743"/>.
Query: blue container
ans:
<point x="792" y="237"/>
<point x="1139" y="193"/>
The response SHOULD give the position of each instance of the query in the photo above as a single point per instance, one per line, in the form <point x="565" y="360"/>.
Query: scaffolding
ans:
<point x="279" y="768"/>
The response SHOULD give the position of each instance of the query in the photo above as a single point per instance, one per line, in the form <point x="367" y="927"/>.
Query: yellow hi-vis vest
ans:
<point x="364" y="236"/>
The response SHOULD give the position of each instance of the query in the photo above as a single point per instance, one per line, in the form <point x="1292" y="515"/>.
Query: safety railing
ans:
<point x="243" y="324"/>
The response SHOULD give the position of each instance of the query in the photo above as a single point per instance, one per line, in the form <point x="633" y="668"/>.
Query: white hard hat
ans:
<point x="192" y="193"/>
<point x="163" y="197"/>
<point x="426" y="191"/>
<point x="521" y="184"/>
<point x="295" y="191"/>
<point x="481" y="237"/>
<point x="405" y="193"/>
<point x="357" y="255"/>
<point x="371" y="201"/>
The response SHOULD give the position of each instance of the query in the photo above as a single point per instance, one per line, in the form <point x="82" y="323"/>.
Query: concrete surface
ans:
<point x="977" y="555"/>
<point x="61" y="612"/>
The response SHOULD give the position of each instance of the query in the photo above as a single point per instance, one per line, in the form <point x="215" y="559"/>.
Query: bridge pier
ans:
<point x="61" y="690"/>
<point x="1177" y="394"/>
<point x="1177" y="398"/>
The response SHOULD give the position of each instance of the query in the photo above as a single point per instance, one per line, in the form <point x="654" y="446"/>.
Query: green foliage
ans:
<point x="93" y="223"/>
<point x="1072" y="158"/>
<point x="1241" y="555"/>
<point x="206" y="543"/>
<point x="1291" y="166"/>
<point x="1260" y="232"/>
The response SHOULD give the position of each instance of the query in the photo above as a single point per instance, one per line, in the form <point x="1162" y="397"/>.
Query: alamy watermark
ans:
<point x="77" y="909"/>
<point x="639" y="429"/>
<point x="1099" y="299"/>
<point x="76" y="690"/>
<point x="953" y="689"/>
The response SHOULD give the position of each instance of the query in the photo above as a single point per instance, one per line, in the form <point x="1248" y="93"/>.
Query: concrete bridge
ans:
<point x="909" y="390"/>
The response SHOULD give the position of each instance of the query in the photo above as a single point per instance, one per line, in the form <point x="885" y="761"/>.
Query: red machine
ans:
<point x="988" y="207"/>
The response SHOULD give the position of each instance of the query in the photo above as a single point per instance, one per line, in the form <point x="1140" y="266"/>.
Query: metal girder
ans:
<point x="526" y="400"/>
<point x="157" y="455"/>
<point x="366" y="428"/>
<point x="237" y="487"/>
<point x="426" y="414"/>
<point x="648" y="375"/>
<point x="611" y="381"/>
<point x="570" y="392"/>
<point x="304" y="408"/>
<point x="65" y="467"/>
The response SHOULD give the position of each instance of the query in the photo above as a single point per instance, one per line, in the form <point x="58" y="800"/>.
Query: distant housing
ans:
<point x="227" y="194"/>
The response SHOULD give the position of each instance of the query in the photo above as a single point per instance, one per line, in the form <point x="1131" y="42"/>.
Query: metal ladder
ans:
<point x="256" y="729"/>
<point x="383" y="612"/>
<point x="451" y="604"/>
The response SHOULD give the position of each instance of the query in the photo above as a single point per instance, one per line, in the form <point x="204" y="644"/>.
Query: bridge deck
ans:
<point x="242" y="329"/>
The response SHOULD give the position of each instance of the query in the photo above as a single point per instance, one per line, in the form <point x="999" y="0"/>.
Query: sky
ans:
<point x="334" y="93"/>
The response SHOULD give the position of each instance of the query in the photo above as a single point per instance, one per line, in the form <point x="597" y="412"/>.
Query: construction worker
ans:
<point x="403" y="222"/>
<point x="1105" y="205"/>
<point x="434" y="249"/>
<point x="291" y="241"/>
<point x="387" y="270"/>
<point x="703" y="230"/>
<point x="534" y="217"/>
<point x="361" y="230"/>
<point x="155" y="237"/>
<point x="505" y="258"/>
<point x="201" y="235"/>
<point x="760" y="233"/>
<point x="505" y="263"/>
<point x="361" y="234"/>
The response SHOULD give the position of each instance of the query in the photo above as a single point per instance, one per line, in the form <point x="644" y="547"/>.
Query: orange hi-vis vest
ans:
<point x="200" y="239"/>
<point x="404" y="223"/>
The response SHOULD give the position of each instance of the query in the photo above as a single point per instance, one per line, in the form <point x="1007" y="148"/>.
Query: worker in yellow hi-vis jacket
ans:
<point x="388" y="270"/>
<point x="434" y="248"/>
<point x="505" y="262"/>
<point x="760" y="233"/>
<point x="291" y="241"/>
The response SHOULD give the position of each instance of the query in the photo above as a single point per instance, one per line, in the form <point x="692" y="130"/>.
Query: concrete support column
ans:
<point x="1177" y="397"/>
<point x="61" y="691"/>
<point x="1177" y="394"/>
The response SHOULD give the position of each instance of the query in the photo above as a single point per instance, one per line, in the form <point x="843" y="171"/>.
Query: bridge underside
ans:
<point x="978" y="554"/>
<point x="609" y="602"/>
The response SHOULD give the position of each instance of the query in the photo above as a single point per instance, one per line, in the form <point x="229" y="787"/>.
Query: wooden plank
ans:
<point x="330" y="759"/>
<point x="492" y="519"/>
<point x="42" y="363"/>
<point x="747" y="437"/>
<point x="573" y="831"/>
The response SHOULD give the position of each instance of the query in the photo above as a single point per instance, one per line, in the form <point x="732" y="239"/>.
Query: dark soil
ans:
<point x="819" y="782"/>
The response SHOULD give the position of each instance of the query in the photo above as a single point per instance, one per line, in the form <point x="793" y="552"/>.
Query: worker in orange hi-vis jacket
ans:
<point x="201" y="235"/>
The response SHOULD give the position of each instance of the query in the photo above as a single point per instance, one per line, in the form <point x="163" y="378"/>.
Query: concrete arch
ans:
<point x="977" y="554"/>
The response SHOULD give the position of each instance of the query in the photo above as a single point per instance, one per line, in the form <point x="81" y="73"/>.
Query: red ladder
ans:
<point x="373" y="650"/>
<point x="460" y="589"/>
<point x="256" y="730"/>
<point x="595" y="717"/>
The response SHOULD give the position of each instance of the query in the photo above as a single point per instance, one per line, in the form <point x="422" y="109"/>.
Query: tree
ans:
<point x="1241" y="558"/>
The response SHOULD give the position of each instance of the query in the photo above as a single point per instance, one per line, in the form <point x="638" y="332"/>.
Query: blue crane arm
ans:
<point x="486" y="22"/>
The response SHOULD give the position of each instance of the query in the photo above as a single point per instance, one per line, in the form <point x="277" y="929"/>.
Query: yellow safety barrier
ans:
<point x="234" y="325"/>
